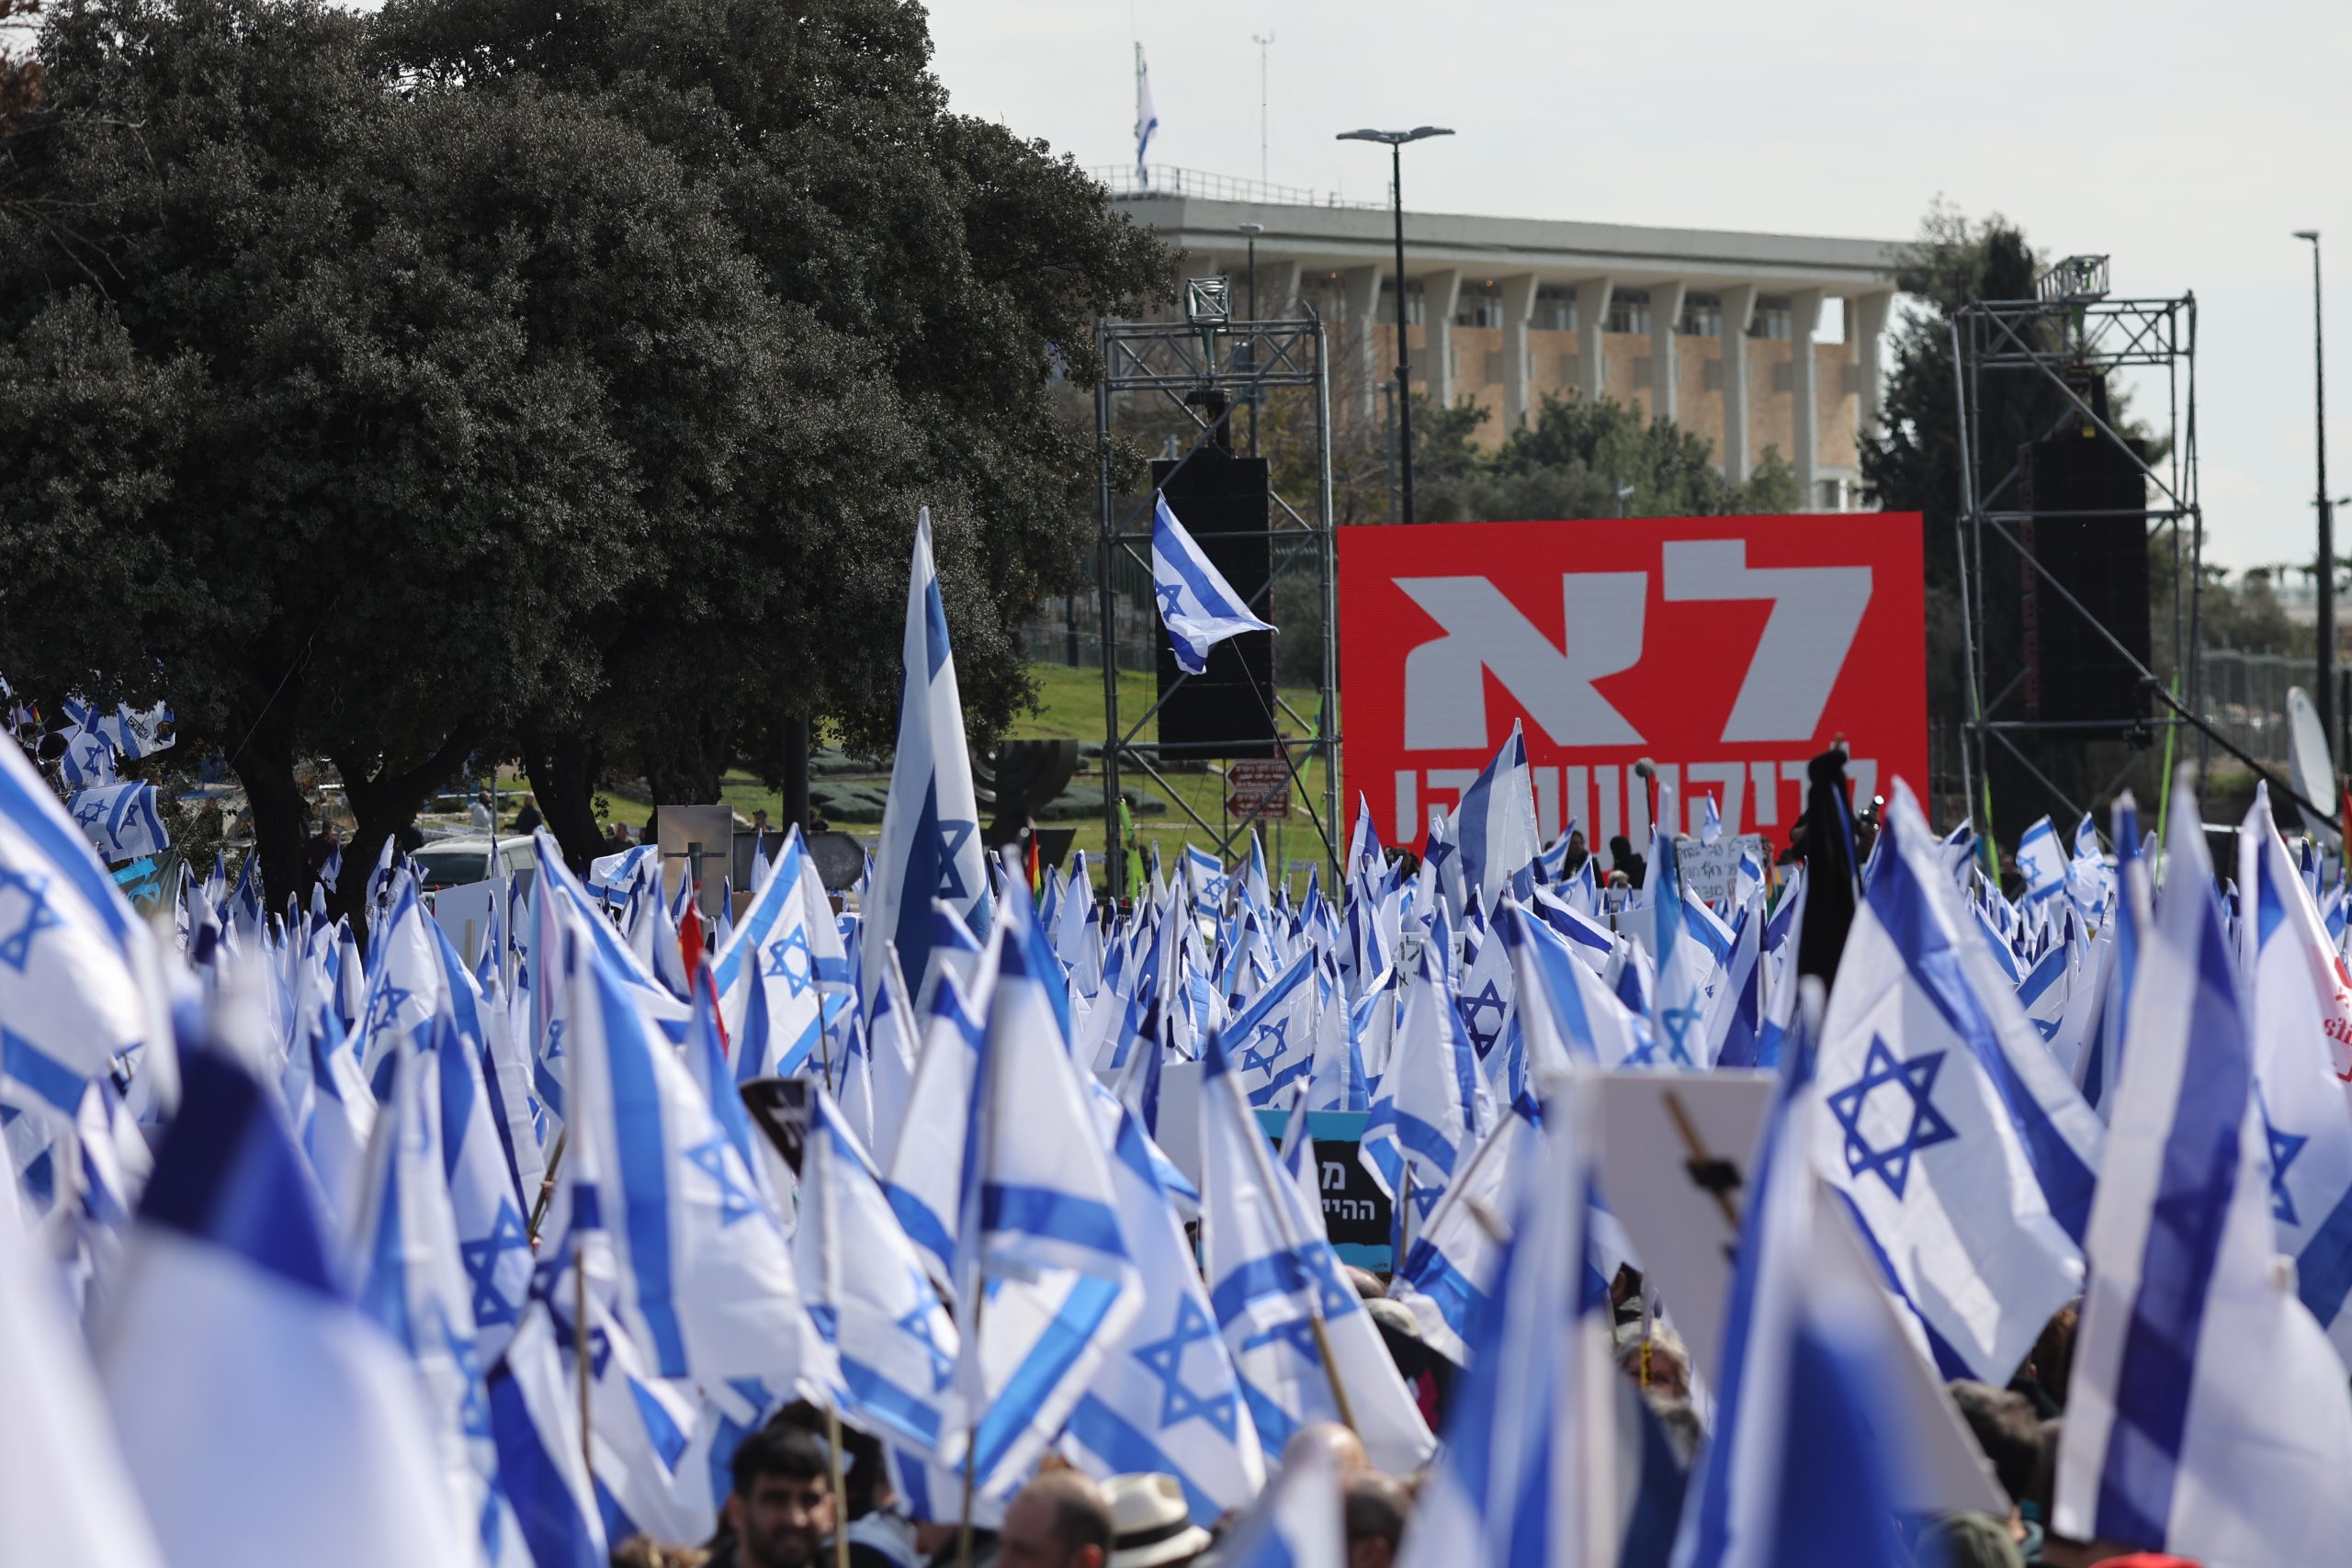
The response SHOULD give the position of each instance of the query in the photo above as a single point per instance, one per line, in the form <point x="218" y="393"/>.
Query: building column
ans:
<point x="1592" y="316"/>
<point x="1277" y="291"/>
<point x="1740" y="311"/>
<point x="1665" y="366"/>
<point x="1441" y="291"/>
<point x="1360" y="297"/>
<point x="1518" y="309"/>
<point x="1865" y="324"/>
<point x="1804" y="390"/>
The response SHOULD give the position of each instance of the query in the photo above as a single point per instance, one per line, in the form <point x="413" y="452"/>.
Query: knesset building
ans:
<point x="1750" y="341"/>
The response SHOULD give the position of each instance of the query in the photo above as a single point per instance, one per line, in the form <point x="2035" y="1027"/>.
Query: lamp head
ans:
<point x="2311" y="234"/>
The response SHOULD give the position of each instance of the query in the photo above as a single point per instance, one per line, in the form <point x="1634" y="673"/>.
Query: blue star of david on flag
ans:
<point x="1679" y="1022"/>
<point x="474" y="1413"/>
<point x="482" y="1259"/>
<point x="384" y="1007"/>
<point x="953" y="835"/>
<point x="710" y="1158"/>
<point x="917" y="1322"/>
<point x="798" y="978"/>
<point x="1914" y="1079"/>
<point x="2284" y="1147"/>
<point x="1165" y="1360"/>
<point x="1255" y="1057"/>
<point x="16" y="947"/>
<point x="1490" y="998"/>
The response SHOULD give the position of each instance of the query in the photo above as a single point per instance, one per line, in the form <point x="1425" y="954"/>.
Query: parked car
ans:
<point x="458" y="862"/>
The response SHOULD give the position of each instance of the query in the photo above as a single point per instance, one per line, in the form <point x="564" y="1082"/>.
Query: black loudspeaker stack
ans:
<point x="2088" y="527"/>
<point x="1228" y="711"/>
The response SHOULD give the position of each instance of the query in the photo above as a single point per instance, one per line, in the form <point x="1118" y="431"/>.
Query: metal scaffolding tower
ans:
<point x="2071" y="335"/>
<point x="1202" y="366"/>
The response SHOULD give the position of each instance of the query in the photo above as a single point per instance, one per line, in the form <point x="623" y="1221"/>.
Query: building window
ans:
<point x="1629" y="310"/>
<point x="1413" y="303"/>
<point x="1480" y="305"/>
<point x="1833" y="495"/>
<point x="1703" y="316"/>
<point x="1555" y="309"/>
<point x="1773" y="318"/>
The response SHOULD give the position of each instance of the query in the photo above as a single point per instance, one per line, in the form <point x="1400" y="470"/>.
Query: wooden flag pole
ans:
<point x="580" y="1355"/>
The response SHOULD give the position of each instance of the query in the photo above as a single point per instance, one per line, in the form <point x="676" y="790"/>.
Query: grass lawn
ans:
<point x="1069" y="703"/>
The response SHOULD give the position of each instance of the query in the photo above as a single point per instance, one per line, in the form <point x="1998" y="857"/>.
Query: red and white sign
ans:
<point x="1729" y="650"/>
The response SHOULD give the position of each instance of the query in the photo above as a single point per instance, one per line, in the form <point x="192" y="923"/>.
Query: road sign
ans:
<point x="1259" y="788"/>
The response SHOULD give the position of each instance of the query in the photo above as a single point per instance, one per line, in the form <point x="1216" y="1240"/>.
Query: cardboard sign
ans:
<point x="1711" y="871"/>
<point x="1729" y="650"/>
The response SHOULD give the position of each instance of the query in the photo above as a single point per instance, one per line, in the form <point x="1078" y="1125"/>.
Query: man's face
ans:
<point x="784" y="1521"/>
<point x="1027" y="1540"/>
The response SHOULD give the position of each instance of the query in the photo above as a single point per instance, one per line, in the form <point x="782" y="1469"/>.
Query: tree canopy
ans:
<point x="485" y="377"/>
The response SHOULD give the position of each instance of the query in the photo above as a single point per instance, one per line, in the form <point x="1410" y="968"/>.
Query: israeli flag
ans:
<point x="486" y="1202"/>
<point x="1449" y="1276"/>
<point x="777" y="932"/>
<point x="1685" y="962"/>
<point x="1147" y="120"/>
<point x="1198" y="606"/>
<point x="2042" y="858"/>
<point x="1550" y="1456"/>
<point x="1297" y="1523"/>
<point x="925" y="1185"/>
<point x="403" y="989"/>
<point x="1040" y="1229"/>
<point x="1965" y="1152"/>
<point x="88" y="760"/>
<point x="2207" y="1414"/>
<point x="1279" y="1297"/>
<point x="71" y="955"/>
<point x="1492" y="829"/>
<point x="2298" y="1000"/>
<point x="1711" y="825"/>
<point x="1273" y="1043"/>
<point x="705" y="1271"/>
<point x="867" y="1291"/>
<point x="1167" y="1400"/>
<point x="64" y="1490"/>
<point x="931" y="826"/>
<point x="410" y="1281"/>
<point x="535" y="1419"/>
<point x="1815" y="1453"/>
<point x="1434" y="1105"/>
<point x="120" y="820"/>
<point x="263" y="1416"/>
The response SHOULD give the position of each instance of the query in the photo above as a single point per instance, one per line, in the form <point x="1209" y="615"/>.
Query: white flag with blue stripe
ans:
<point x="1040" y="1228"/>
<point x="1449" y="1274"/>
<point x="705" y="1280"/>
<point x="1493" y="828"/>
<point x="1272" y="1278"/>
<point x="870" y="1295"/>
<point x="2042" y="857"/>
<point x="1273" y="1043"/>
<point x="1967" y="1154"/>
<point x="263" y="1416"/>
<point x="1166" y="1400"/>
<point x="121" y="822"/>
<point x="1297" y="1523"/>
<point x="534" y="1417"/>
<point x="1198" y="606"/>
<point x="773" y="951"/>
<point x="2298" y="1000"/>
<point x="1434" y="1105"/>
<point x="930" y="825"/>
<point x="72" y="955"/>
<point x="2207" y="1415"/>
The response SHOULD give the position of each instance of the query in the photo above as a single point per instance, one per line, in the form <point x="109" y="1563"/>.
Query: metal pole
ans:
<point x="1327" y="723"/>
<point x="2324" y="694"/>
<point x="1257" y="388"/>
<point x="796" y="773"/>
<point x="1404" y="369"/>
<point x="1114" y="859"/>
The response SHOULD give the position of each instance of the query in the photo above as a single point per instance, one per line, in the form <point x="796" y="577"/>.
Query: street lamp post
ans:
<point x="2324" y="697"/>
<point x="1395" y="141"/>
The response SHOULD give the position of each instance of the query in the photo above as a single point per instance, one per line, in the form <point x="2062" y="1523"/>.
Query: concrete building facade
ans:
<point x="1754" y="342"/>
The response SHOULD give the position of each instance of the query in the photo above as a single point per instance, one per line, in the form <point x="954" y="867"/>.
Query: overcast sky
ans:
<point x="2186" y="139"/>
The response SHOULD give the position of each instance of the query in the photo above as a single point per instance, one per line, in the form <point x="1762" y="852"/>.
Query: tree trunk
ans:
<point x="264" y="765"/>
<point x="562" y="769"/>
<point x="382" y="803"/>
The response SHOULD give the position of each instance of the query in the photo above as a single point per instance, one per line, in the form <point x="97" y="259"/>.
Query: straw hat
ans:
<point x="1150" y="1523"/>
